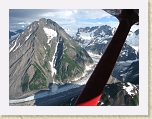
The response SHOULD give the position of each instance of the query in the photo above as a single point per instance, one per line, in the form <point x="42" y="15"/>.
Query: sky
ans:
<point x="69" y="19"/>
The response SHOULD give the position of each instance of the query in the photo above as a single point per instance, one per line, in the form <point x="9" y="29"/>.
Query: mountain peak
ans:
<point x="42" y="54"/>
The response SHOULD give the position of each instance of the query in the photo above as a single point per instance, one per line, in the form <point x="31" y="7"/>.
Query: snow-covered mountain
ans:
<point x="133" y="39"/>
<point x="96" y="39"/>
<point x="86" y="36"/>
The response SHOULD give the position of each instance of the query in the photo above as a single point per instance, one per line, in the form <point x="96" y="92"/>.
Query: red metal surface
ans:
<point x="92" y="102"/>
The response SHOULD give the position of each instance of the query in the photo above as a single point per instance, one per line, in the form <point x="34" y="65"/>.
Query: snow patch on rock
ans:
<point x="50" y="33"/>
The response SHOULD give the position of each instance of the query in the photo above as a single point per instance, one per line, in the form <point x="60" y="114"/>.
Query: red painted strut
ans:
<point x="92" y="92"/>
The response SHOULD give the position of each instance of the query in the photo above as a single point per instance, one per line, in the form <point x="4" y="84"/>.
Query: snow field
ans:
<point x="129" y="89"/>
<point x="50" y="33"/>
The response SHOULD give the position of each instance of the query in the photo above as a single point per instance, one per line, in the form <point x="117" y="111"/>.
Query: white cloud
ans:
<point x="67" y="18"/>
<point x="59" y="14"/>
<point x="76" y="13"/>
<point x="21" y="23"/>
<point x="92" y="14"/>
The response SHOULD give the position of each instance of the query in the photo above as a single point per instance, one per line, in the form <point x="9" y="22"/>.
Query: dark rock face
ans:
<point x="137" y="32"/>
<point x="43" y="53"/>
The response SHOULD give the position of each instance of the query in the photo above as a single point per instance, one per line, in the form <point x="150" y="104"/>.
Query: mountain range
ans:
<point x="44" y="54"/>
<point x="96" y="39"/>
